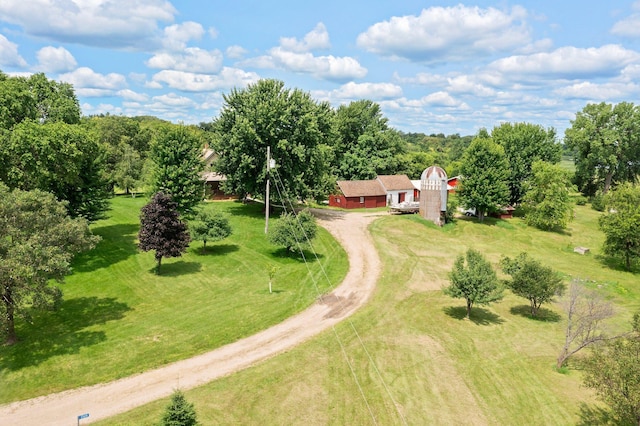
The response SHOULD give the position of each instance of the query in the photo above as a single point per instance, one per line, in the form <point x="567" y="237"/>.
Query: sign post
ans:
<point x="82" y="416"/>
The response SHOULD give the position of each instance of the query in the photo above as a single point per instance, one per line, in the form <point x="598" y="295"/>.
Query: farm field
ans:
<point x="118" y="318"/>
<point x="412" y="358"/>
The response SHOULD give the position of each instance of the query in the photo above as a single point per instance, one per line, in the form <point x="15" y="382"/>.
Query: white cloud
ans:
<point x="9" y="55"/>
<point x="236" y="52"/>
<point x="599" y="92"/>
<point x="105" y="23"/>
<point x="423" y="79"/>
<point x="318" y="38"/>
<point x="448" y="33"/>
<point x="629" y="26"/>
<point x="373" y="91"/>
<point x="173" y="100"/>
<point x="192" y="82"/>
<point x="441" y="99"/>
<point x="468" y="85"/>
<point x="193" y="59"/>
<point x="86" y="78"/>
<point x="130" y="95"/>
<point x="568" y="62"/>
<point x="324" y="67"/>
<point x="177" y="36"/>
<point x="55" y="59"/>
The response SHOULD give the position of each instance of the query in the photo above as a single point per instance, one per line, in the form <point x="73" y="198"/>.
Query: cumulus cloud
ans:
<point x="466" y="84"/>
<point x="191" y="82"/>
<point x="177" y="36"/>
<point x="193" y="59"/>
<point x="130" y="95"/>
<point x="86" y="78"/>
<point x="55" y="59"/>
<point x="629" y="26"/>
<point x="318" y="38"/>
<point x="104" y="23"/>
<point x="351" y="90"/>
<point x="568" y="62"/>
<point x="323" y="67"/>
<point x="598" y="92"/>
<point x="236" y="52"/>
<point x="9" y="55"/>
<point x="442" y="34"/>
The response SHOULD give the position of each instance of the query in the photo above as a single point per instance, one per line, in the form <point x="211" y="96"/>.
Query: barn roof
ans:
<point x="361" y="188"/>
<point x="395" y="182"/>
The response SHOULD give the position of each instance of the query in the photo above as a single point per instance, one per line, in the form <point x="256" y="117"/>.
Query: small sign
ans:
<point x="83" y="416"/>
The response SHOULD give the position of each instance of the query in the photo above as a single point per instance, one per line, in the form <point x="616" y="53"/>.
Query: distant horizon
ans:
<point x="450" y="68"/>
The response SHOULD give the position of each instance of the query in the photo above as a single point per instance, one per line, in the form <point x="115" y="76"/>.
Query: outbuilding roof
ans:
<point x="395" y="182"/>
<point x="361" y="188"/>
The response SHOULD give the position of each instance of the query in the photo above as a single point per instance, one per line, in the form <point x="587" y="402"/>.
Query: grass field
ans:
<point x="119" y="318"/>
<point x="415" y="359"/>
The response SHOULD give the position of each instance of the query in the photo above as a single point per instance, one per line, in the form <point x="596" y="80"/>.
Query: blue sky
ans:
<point x="434" y="67"/>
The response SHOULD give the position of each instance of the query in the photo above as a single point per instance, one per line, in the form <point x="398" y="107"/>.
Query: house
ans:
<point x="213" y="180"/>
<point x="356" y="194"/>
<point x="399" y="189"/>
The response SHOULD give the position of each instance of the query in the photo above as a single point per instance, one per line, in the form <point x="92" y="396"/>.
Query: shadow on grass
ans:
<point x="307" y="255"/>
<point x="177" y="269"/>
<point x="216" y="250"/>
<point x="248" y="209"/>
<point x="594" y="415"/>
<point x="61" y="332"/>
<point x="479" y="316"/>
<point x="616" y="263"/>
<point x="544" y="314"/>
<point x="117" y="244"/>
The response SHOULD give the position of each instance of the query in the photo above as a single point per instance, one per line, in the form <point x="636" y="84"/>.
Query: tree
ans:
<point x="128" y="170"/>
<point x="178" y="165"/>
<point x="161" y="229"/>
<point x="209" y="226"/>
<point x="546" y="201"/>
<point x="533" y="281"/>
<point x="524" y="144"/>
<point x="621" y="223"/>
<point x="293" y="231"/>
<point x="296" y="128"/>
<point x="179" y="412"/>
<point x="38" y="240"/>
<point x="606" y="142"/>
<point x="476" y="282"/>
<point x="485" y="176"/>
<point x="60" y="158"/>
<point x="614" y="372"/>
<point x="586" y="312"/>
<point x="365" y="146"/>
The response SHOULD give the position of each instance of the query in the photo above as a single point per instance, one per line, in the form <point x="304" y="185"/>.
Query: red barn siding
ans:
<point x="354" y="202"/>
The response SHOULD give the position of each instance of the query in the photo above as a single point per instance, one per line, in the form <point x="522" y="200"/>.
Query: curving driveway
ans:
<point x="108" y="399"/>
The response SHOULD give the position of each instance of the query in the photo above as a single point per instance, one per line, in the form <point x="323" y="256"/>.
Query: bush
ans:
<point x="581" y="201"/>
<point x="597" y="202"/>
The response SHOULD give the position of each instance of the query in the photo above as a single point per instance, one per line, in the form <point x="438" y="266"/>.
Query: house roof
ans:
<point x="213" y="177"/>
<point x="361" y="188"/>
<point x="395" y="182"/>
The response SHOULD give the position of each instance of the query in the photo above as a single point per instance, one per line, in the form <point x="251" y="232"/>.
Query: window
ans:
<point x="361" y="200"/>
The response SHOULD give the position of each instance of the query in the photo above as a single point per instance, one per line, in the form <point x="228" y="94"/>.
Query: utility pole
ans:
<point x="266" y="201"/>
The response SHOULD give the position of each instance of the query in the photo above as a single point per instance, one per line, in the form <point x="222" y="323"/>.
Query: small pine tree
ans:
<point x="179" y="412"/>
<point x="209" y="226"/>
<point x="161" y="229"/>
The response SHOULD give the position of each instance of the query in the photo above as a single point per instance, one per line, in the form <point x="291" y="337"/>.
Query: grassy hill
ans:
<point x="410" y="357"/>
<point x="119" y="318"/>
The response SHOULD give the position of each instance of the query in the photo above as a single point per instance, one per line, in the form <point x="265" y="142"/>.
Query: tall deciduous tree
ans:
<point x="485" y="176"/>
<point x="524" y="144"/>
<point x="473" y="279"/>
<point x="178" y="167"/>
<point x="295" y="127"/>
<point x="606" y="141"/>
<point x="546" y="201"/>
<point x="161" y="229"/>
<point x="209" y="226"/>
<point x="614" y="372"/>
<point x="293" y="231"/>
<point x="621" y="223"/>
<point x="532" y="280"/>
<point x="365" y="146"/>
<point x="37" y="243"/>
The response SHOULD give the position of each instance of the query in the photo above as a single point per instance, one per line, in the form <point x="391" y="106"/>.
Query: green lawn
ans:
<point x="419" y="354"/>
<point x="119" y="318"/>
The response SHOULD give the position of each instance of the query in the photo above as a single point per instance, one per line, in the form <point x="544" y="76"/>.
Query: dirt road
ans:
<point x="107" y="399"/>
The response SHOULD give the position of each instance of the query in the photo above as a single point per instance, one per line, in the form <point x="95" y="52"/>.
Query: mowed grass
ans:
<point x="415" y="359"/>
<point x="119" y="318"/>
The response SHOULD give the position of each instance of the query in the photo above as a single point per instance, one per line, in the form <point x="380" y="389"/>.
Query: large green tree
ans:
<point x="530" y="279"/>
<point x="365" y="146"/>
<point x="293" y="231"/>
<point x="546" y="201"/>
<point x="178" y="167"/>
<point x="60" y="158"/>
<point x="621" y="223"/>
<point x="473" y="279"/>
<point x="295" y="127"/>
<point x="37" y="243"/>
<point x="485" y="176"/>
<point x="524" y="144"/>
<point x="606" y="142"/>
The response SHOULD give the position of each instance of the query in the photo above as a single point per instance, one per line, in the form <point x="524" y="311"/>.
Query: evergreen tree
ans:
<point x="162" y="230"/>
<point x="179" y="412"/>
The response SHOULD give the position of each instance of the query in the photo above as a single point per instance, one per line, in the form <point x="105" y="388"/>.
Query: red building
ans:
<point x="355" y="194"/>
